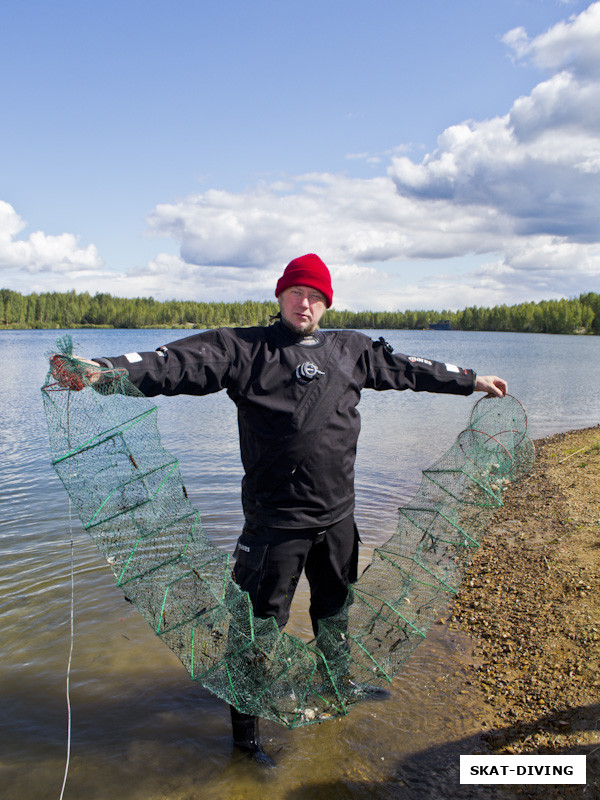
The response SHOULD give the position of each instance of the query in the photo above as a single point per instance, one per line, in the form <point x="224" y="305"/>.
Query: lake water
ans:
<point x="141" y="728"/>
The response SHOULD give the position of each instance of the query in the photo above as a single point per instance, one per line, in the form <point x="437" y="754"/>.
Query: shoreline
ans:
<point x="531" y="603"/>
<point x="196" y="326"/>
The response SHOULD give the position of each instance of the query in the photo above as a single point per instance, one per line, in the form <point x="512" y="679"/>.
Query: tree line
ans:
<point x="72" y="310"/>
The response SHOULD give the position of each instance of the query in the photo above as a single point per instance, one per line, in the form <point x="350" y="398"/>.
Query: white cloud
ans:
<point x="346" y="220"/>
<point x="265" y="227"/>
<point x="539" y="165"/>
<point x="41" y="252"/>
<point x="572" y="45"/>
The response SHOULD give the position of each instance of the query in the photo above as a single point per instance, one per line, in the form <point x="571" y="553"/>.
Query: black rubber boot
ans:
<point x="246" y="737"/>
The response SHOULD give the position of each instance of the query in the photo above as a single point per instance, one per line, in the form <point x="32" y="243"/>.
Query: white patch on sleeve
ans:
<point x="133" y="357"/>
<point x="452" y="368"/>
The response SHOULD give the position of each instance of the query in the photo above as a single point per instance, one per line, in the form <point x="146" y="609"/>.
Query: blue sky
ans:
<point x="434" y="154"/>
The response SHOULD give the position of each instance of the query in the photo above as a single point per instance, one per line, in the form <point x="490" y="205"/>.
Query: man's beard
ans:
<point x="304" y="331"/>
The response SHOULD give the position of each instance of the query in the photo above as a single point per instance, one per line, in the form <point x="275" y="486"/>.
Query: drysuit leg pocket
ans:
<point x="250" y="557"/>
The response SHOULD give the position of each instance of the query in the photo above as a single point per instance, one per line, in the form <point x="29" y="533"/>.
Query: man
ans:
<point x="297" y="390"/>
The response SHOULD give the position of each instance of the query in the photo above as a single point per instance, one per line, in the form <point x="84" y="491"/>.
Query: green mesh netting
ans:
<point x="130" y="498"/>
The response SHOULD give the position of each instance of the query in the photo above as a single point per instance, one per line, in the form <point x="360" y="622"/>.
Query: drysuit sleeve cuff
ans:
<point x="104" y="362"/>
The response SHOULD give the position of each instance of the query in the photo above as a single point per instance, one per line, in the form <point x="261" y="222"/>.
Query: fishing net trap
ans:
<point x="130" y="497"/>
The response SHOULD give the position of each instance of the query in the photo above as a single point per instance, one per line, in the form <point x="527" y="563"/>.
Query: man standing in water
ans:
<point x="296" y="389"/>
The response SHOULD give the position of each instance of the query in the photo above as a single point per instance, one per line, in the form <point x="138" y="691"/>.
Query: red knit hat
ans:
<point x="306" y="270"/>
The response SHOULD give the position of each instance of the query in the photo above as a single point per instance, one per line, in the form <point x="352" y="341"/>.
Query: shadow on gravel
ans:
<point x="434" y="774"/>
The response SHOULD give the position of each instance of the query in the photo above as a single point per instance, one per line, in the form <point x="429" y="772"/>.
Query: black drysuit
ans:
<point x="298" y="431"/>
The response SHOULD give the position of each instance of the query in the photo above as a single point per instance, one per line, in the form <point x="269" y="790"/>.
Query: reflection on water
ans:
<point x="141" y="728"/>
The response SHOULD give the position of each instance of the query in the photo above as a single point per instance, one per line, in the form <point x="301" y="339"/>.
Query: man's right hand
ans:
<point x="70" y="378"/>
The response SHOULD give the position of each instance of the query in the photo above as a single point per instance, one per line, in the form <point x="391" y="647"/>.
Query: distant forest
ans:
<point x="579" y="315"/>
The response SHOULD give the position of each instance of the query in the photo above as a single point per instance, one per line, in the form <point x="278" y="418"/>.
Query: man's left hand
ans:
<point x="492" y="385"/>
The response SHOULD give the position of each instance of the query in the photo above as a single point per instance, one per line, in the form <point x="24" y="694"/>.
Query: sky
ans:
<point x="434" y="154"/>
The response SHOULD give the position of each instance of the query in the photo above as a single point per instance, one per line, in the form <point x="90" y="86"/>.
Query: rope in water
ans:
<point x="70" y="659"/>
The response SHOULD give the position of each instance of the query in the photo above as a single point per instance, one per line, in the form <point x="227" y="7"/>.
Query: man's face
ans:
<point x="301" y="308"/>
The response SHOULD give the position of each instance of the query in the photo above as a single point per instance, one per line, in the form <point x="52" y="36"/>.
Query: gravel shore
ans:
<point x="531" y="602"/>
